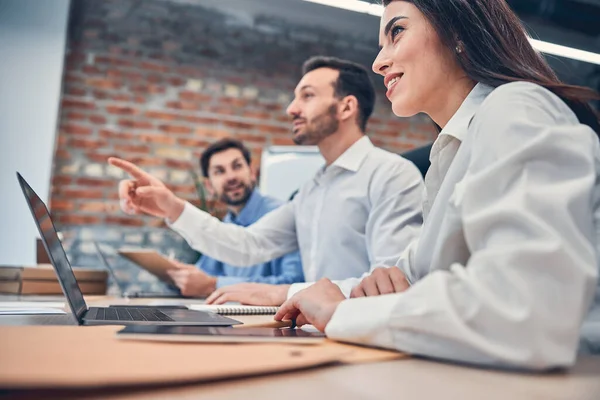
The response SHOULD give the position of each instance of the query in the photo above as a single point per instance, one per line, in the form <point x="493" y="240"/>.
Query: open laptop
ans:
<point x="104" y="315"/>
<point x="122" y="285"/>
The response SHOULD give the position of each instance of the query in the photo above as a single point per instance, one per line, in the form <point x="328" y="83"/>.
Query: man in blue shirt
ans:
<point x="229" y="177"/>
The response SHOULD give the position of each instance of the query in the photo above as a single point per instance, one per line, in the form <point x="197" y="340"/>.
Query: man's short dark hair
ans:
<point x="217" y="147"/>
<point x="353" y="81"/>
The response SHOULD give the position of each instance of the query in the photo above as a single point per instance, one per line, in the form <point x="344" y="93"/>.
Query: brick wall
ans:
<point x="156" y="82"/>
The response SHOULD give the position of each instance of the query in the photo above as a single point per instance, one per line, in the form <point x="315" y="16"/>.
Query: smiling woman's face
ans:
<point x="418" y="69"/>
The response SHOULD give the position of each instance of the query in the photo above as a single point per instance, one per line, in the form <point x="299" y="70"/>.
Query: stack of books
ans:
<point x="41" y="279"/>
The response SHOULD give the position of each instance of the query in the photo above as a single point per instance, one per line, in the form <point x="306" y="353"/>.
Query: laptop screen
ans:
<point x="55" y="250"/>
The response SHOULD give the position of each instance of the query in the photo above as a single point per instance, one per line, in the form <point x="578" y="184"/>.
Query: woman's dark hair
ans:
<point x="496" y="50"/>
<point x="353" y="80"/>
<point x="219" y="146"/>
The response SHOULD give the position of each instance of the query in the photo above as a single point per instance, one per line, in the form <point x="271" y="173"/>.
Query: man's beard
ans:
<point x="242" y="200"/>
<point x="319" y="127"/>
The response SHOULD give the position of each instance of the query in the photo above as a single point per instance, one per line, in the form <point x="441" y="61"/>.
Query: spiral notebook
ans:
<point x="235" y="309"/>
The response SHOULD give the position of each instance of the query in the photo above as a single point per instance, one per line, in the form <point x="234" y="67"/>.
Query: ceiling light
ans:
<point x="544" y="47"/>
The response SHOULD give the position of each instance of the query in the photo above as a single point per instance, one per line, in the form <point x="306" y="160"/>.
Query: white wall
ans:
<point x="32" y="49"/>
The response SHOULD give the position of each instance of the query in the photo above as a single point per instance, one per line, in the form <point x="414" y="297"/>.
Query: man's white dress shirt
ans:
<point x="360" y="211"/>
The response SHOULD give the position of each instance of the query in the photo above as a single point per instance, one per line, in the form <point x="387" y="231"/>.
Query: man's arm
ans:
<point x="270" y="237"/>
<point x="286" y="270"/>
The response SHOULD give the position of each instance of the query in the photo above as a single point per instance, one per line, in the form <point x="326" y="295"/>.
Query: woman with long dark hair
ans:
<point x="506" y="266"/>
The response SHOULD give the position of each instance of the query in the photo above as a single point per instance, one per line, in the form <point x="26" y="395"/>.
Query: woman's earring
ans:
<point x="459" y="49"/>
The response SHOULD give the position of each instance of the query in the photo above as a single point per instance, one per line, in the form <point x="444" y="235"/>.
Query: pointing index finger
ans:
<point x="130" y="168"/>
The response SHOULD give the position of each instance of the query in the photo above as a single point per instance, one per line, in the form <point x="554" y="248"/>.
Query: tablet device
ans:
<point x="203" y="334"/>
<point x="150" y="260"/>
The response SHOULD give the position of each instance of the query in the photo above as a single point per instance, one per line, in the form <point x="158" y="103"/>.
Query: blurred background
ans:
<point x="156" y="81"/>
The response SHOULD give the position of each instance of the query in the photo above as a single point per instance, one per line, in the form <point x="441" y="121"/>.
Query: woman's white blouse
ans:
<point x="506" y="266"/>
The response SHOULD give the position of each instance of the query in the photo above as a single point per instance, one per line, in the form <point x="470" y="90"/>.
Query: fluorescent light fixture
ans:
<point x="544" y="47"/>
<point x="564" y="51"/>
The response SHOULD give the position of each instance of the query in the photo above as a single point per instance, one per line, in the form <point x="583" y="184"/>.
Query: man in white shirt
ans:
<point x="360" y="211"/>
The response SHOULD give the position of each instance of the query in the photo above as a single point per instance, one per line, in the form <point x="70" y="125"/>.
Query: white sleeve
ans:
<point x="526" y="211"/>
<point x="270" y="237"/>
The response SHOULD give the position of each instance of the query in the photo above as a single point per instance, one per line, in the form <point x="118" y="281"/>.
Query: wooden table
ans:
<point x="403" y="379"/>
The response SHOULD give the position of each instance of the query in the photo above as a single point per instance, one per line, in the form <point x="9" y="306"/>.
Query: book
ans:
<point x="30" y="286"/>
<point x="46" y="272"/>
<point x="235" y="309"/>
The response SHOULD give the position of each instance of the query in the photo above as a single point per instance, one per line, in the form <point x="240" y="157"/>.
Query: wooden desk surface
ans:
<point x="408" y="378"/>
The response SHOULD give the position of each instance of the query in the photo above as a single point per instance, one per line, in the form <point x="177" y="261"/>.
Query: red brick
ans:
<point x="90" y="69"/>
<point x="176" y="81"/>
<point x="75" y="116"/>
<point x="161" y="115"/>
<point x="109" y="134"/>
<point x="71" y="78"/>
<point x="223" y="110"/>
<point x="399" y="125"/>
<point x="61" y="180"/>
<point x="98" y="207"/>
<point x="148" y="66"/>
<point x="154" y="78"/>
<point x="233" y="102"/>
<point x="258" y="115"/>
<point x="178" y="164"/>
<point x="62" y="154"/>
<point x="121" y="110"/>
<point x="148" y="88"/>
<point x="388" y="133"/>
<point x="191" y="72"/>
<point x="129" y="123"/>
<point x="238" y="125"/>
<point x="99" y="83"/>
<point x="78" y="220"/>
<point x="99" y="158"/>
<point x="128" y="75"/>
<point x="265" y="129"/>
<point x="197" y="97"/>
<point x="81" y="193"/>
<point x="86" y="143"/>
<point x="176" y="129"/>
<point x="201" y="120"/>
<point x="160" y="139"/>
<point x="75" y="91"/>
<point x="61" y="205"/>
<point x="146" y="161"/>
<point x="132" y="148"/>
<point x="98" y="119"/>
<point x="183" y="189"/>
<point x="279" y="141"/>
<point x="193" y="142"/>
<point x="212" y="133"/>
<point x="100" y="95"/>
<point x="72" y="129"/>
<point x="75" y="58"/>
<point x="124" y="221"/>
<point x="251" y="138"/>
<point x="70" y="103"/>
<point x="110" y="60"/>
<point x="182" y="105"/>
<point x="95" y="182"/>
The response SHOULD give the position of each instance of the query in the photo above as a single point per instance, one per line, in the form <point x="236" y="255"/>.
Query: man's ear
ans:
<point x="348" y="108"/>
<point x="209" y="187"/>
<point x="254" y="171"/>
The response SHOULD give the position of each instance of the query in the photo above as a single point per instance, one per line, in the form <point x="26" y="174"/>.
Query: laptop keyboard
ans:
<point x="131" y="314"/>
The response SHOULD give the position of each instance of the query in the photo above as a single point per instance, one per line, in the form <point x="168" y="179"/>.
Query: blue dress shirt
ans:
<point x="283" y="270"/>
